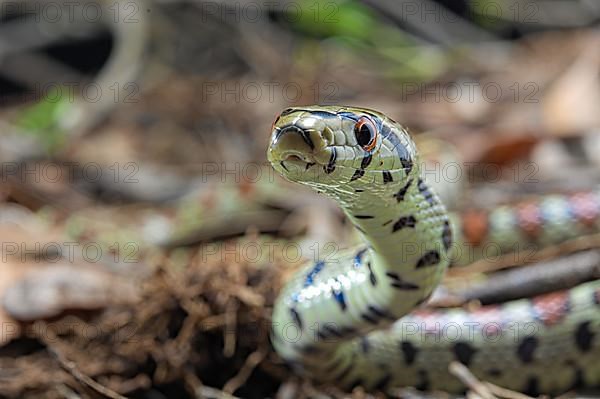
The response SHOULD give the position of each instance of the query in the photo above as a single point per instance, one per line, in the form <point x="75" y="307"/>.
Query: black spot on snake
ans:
<point x="365" y="345"/>
<point x="363" y="165"/>
<point x="532" y="387"/>
<point x="404" y="221"/>
<point x="493" y="372"/>
<point x="332" y="331"/>
<point x="409" y="352"/>
<point x="402" y="192"/>
<point x="447" y="235"/>
<point x="357" y="174"/>
<point x="584" y="336"/>
<point x="388" y="222"/>
<point x="526" y="349"/>
<point x="372" y="277"/>
<point x="405" y="160"/>
<point x="424" y="382"/>
<point x="283" y="166"/>
<point x="359" y="190"/>
<point x="425" y="192"/>
<point x="366" y="161"/>
<point x="373" y="315"/>
<point x="399" y="283"/>
<point x="430" y="258"/>
<point x="464" y="352"/>
<point x="382" y="384"/>
<point x="296" y="317"/>
<point x="364" y="216"/>
<point x="330" y="167"/>
<point x="387" y="177"/>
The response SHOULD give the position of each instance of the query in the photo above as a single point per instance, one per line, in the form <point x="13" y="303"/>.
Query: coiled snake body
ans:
<point x="354" y="319"/>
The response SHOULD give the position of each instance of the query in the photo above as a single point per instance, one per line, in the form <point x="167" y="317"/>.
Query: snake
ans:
<point x="357" y="318"/>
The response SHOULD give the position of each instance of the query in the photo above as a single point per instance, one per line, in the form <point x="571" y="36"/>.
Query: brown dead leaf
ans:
<point x="572" y="102"/>
<point x="48" y="291"/>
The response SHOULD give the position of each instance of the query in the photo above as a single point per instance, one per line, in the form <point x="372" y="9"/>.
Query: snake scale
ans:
<point x="355" y="319"/>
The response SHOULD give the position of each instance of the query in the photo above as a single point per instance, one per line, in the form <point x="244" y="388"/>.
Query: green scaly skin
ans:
<point x="337" y="320"/>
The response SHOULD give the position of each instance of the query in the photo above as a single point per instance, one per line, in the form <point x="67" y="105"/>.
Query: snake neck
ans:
<point x="407" y="235"/>
<point x="403" y="223"/>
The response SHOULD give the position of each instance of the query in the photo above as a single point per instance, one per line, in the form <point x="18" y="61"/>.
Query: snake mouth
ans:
<point x="296" y="149"/>
<point x="296" y="161"/>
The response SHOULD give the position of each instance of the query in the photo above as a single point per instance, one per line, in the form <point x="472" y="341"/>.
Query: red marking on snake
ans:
<point x="530" y="219"/>
<point x="551" y="308"/>
<point x="586" y="207"/>
<point x="475" y="226"/>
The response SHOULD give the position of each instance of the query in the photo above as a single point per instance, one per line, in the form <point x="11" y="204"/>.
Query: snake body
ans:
<point x="354" y="319"/>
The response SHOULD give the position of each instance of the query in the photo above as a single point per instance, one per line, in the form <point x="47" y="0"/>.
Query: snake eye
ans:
<point x="366" y="133"/>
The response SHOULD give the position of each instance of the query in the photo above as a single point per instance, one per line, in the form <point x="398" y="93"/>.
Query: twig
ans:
<point x="230" y="329"/>
<point x="201" y="391"/>
<point x="506" y="261"/>
<point x="506" y="393"/>
<point x="240" y="378"/>
<point x="535" y="279"/>
<point x="204" y="392"/>
<point x="67" y="392"/>
<point x="49" y="339"/>
<point x="467" y="378"/>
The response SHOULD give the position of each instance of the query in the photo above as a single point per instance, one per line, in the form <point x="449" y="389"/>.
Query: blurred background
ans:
<point x="137" y="208"/>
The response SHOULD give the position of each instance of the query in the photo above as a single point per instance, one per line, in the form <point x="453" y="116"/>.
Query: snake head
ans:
<point x="300" y="143"/>
<point x="342" y="146"/>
